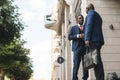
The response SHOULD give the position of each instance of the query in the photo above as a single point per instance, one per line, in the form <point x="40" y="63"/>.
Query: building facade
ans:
<point x="66" y="12"/>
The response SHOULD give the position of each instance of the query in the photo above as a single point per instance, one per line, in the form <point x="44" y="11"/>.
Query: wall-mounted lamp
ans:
<point x="111" y="27"/>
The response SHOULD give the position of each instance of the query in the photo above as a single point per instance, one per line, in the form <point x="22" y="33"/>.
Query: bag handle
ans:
<point x="87" y="49"/>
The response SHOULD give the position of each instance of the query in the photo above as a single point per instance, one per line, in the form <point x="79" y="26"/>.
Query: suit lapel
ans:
<point x="77" y="29"/>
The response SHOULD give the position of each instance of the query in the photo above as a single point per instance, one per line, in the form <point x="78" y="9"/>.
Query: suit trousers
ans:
<point x="77" y="58"/>
<point x="98" y="69"/>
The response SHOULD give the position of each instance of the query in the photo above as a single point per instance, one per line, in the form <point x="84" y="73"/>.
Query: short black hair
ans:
<point x="79" y="15"/>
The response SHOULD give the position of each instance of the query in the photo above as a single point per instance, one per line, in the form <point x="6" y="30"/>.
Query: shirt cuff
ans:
<point x="77" y="35"/>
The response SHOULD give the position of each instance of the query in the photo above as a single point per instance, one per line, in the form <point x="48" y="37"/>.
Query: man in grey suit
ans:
<point x="78" y="47"/>
<point x="94" y="37"/>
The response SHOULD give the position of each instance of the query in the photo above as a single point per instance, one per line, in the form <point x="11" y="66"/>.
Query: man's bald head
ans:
<point x="90" y="7"/>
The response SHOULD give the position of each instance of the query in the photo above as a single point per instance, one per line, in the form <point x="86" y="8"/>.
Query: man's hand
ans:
<point x="81" y="35"/>
<point x="87" y="43"/>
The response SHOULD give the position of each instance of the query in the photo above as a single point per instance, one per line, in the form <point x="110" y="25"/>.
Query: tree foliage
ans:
<point x="14" y="57"/>
<point x="10" y="24"/>
<point x="21" y="67"/>
<point x="15" y="62"/>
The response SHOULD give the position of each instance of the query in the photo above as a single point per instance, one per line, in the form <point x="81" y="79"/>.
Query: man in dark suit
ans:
<point x="78" y="47"/>
<point x="94" y="37"/>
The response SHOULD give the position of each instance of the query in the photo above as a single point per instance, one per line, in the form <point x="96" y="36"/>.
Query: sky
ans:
<point x="37" y="36"/>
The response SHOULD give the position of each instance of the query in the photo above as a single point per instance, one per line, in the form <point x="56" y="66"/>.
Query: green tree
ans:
<point x="15" y="62"/>
<point x="10" y="23"/>
<point x="14" y="59"/>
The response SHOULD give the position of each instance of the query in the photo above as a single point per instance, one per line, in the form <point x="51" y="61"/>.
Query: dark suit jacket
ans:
<point x="93" y="28"/>
<point x="77" y="43"/>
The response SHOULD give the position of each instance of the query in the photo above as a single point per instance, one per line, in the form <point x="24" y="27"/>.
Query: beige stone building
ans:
<point x="64" y="17"/>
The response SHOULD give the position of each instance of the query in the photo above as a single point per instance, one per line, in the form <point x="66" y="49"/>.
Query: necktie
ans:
<point x="81" y="28"/>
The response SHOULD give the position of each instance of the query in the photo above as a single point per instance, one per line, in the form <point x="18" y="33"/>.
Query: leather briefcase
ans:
<point x="90" y="58"/>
